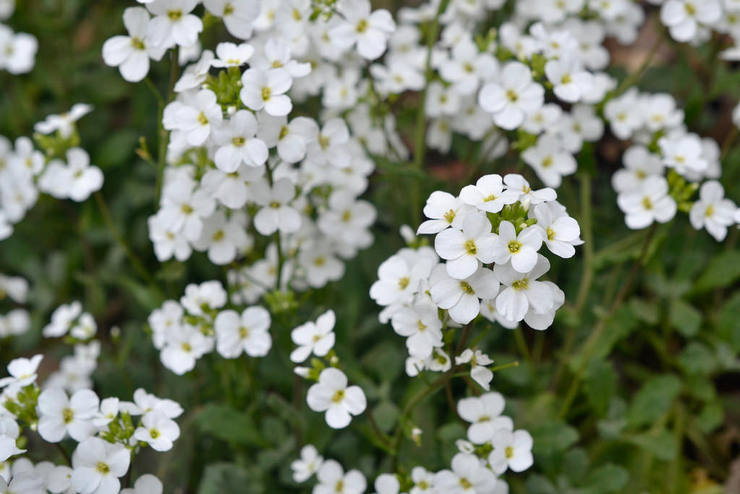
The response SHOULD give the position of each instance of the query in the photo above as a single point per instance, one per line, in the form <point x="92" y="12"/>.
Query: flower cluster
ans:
<point x="665" y="164"/>
<point x="493" y="448"/>
<point x="183" y="332"/>
<point x="17" y="50"/>
<point x="63" y="170"/>
<point x="17" y="320"/>
<point x="109" y="433"/>
<point x="489" y="237"/>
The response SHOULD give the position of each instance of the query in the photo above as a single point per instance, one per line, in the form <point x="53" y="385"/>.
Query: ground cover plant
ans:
<point x="343" y="246"/>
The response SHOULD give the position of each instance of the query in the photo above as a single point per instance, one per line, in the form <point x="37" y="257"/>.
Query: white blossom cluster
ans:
<point x="492" y="448"/>
<point x="17" y="50"/>
<point x="17" y="320"/>
<point x="183" y="332"/>
<point x="108" y="433"/>
<point x="25" y="171"/>
<point x="664" y="156"/>
<point x="489" y="235"/>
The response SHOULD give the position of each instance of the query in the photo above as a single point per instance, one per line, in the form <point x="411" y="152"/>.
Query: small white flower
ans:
<point x="461" y="297"/>
<point x="562" y="232"/>
<point x="232" y="55"/>
<point x="522" y="290"/>
<point x="65" y="122"/>
<point x="484" y="413"/>
<point x="276" y="213"/>
<point x="97" y="466"/>
<point x="520" y="249"/>
<point x="512" y="97"/>
<point x="512" y="450"/>
<point x="422" y="327"/>
<point x="158" y="431"/>
<point x="683" y="17"/>
<point x="465" y="250"/>
<point x="238" y="144"/>
<point x="62" y="319"/>
<point x="173" y="23"/>
<point x="266" y="90"/>
<point x="712" y="211"/>
<point x="370" y="31"/>
<point x="309" y="463"/>
<point x="488" y="194"/>
<point x="333" y="480"/>
<point x="648" y="204"/>
<point x="317" y="338"/>
<point x="468" y="476"/>
<point x="60" y="415"/>
<point x="22" y="372"/>
<point x="332" y="395"/>
<point x="478" y="370"/>
<point x="146" y="484"/>
<point x="246" y="333"/>
<point x="131" y="53"/>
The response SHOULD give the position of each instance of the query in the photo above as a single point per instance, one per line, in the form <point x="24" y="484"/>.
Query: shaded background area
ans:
<point x="660" y="408"/>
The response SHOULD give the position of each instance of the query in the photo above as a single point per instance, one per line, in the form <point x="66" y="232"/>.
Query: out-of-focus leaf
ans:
<point x="606" y="478"/>
<point x="553" y="437"/>
<point x="697" y="358"/>
<point x="722" y="270"/>
<point x="600" y="385"/>
<point x="653" y="400"/>
<point x="684" y="317"/>
<point x="219" y="478"/>
<point x="229" y="425"/>
<point x="661" y="444"/>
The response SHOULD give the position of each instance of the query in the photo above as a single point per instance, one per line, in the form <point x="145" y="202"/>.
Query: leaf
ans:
<point x="600" y="385"/>
<point x="606" y="478"/>
<point x="661" y="444"/>
<point x="227" y="477"/>
<point x="722" y="270"/>
<point x="229" y="425"/>
<point x="653" y="400"/>
<point x="386" y="414"/>
<point x="711" y="417"/>
<point x="553" y="437"/>
<point x="538" y="484"/>
<point x="697" y="358"/>
<point x="684" y="317"/>
<point x="645" y="311"/>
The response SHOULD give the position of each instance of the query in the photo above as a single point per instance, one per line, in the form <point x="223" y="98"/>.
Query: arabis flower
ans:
<point x="232" y="55"/>
<point x="197" y="118"/>
<point x="158" y="431"/>
<point x="333" y="480"/>
<point x="647" y="204"/>
<point x="520" y="249"/>
<point x="464" y="249"/>
<point x="265" y="89"/>
<point x="146" y="484"/>
<point x="422" y="327"/>
<point x="683" y="17"/>
<point x="461" y="297"/>
<point x="549" y="160"/>
<point x="468" y="476"/>
<point x="712" y="211"/>
<point x="332" y="395"/>
<point x="131" y="53"/>
<point x="443" y="210"/>
<point x="276" y="213"/>
<point x="61" y="320"/>
<point x="369" y="30"/>
<point x="238" y="16"/>
<point x="309" y="463"/>
<point x="63" y="123"/>
<point x="173" y="23"/>
<point x="22" y="372"/>
<point x="317" y="338"/>
<point x="484" y="415"/>
<point x="522" y="290"/>
<point x="511" y="449"/>
<point x="60" y="415"/>
<point x="512" y="97"/>
<point x="562" y="232"/>
<point x="98" y="465"/>
<point x="639" y="164"/>
<point x="478" y="370"/>
<point x="488" y="194"/>
<point x="569" y="80"/>
<point x="238" y="144"/>
<point x="683" y="152"/>
<point x="246" y="333"/>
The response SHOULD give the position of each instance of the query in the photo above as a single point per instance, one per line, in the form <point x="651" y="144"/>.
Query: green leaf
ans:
<point x="711" y="417"/>
<point x="219" y="478"/>
<point x="538" y="484"/>
<point x="386" y="414"/>
<point x="684" y="317"/>
<point x="722" y="270"/>
<point x="606" y="478"/>
<point x="653" y="400"/>
<point x="697" y="358"/>
<point x="227" y="424"/>
<point x="661" y="444"/>
<point x="553" y="437"/>
<point x="600" y="385"/>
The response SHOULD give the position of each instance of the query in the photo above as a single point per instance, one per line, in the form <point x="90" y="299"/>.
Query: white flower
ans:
<point x="17" y="51"/>
<point x="522" y="290"/>
<point x="512" y="97"/>
<point x="468" y="476"/>
<point x="198" y="299"/>
<point x="527" y="196"/>
<point x="624" y="114"/>
<point x="197" y="118"/>
<point x="292" y="139"/>
<point x="246" y="333"/>
<point x="307" y="465"/>
<point x="520" y="249"/>
<point x="131" y="53"/>
<point x="488" y="194"/>
<point x="109" y="408"/>
<point x="484" y="415"/>
<point x="316" y="338"/>
<point x="60" y="415"/>
<point x="146" y="403"/>
<point x="461" y="297"/>
<point x="333" y="480"/>
<point x="332" y="395"/>
<point x="22" y="483"/>
<point x="276" y="213"/>
<point x="265" y="89"/>
<point x="85" y="328"/>
<point x="562" y="232"/>
<point x="648" y="204"/>
<point x="146" y="484"/>
<point x="683" y="152"/>
<point x="22" y="372"/>
<point x="712" y="211"/>
<point x="232" y="55"/>
<point x="684" y="16"/>
<point x="237" y="143"/>
<point x="183" y="348"/>
<point x="511" y="449"/>
<point x="63" y="123"/>
<point x="173" y="23"/>
<point x="639" y="164"/>
<point x="478" y="370"/>
<point x="369" y="30"/>
<point x="443" y="210"/>
<point x="222" y="238"/>
<point x="465" y="250"/>
<point x="549" y="160"/>
<point x="238" y="16"/>
<point x="387" y="483"/>
<point x="158" y="431"/>
<point x="398" y="280"/>
<point x="98" y="465"/>
<point x="61" y="320"/>
<point x="422" y="327"/>
<point x="9" y="432"/>
<point x="423" y="481"/>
